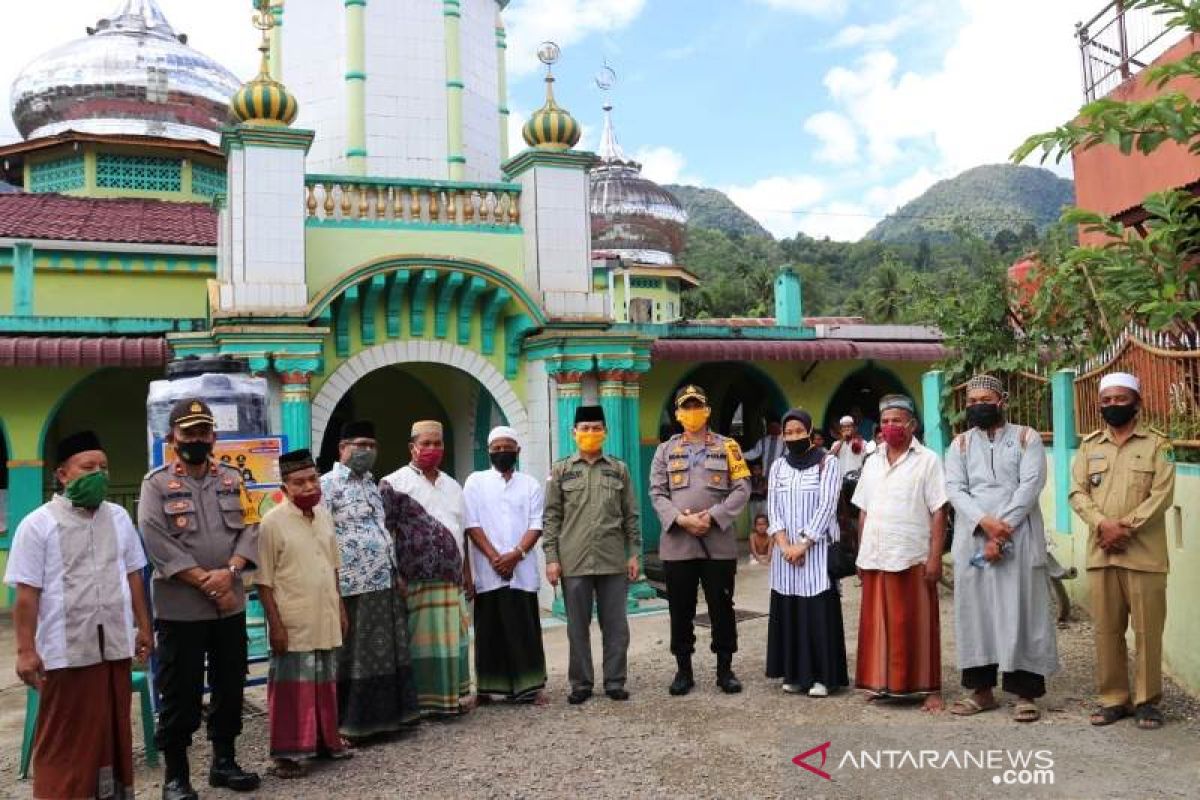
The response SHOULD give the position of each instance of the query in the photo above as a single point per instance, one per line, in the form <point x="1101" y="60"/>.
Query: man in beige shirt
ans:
<point x="1122" y="482"/>
<point x="297" y="579"/>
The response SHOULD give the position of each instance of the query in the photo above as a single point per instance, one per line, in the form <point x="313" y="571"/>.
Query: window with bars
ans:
<point x="208" y="181"/>
<point x="58" y="175"/>
<point x="146" y="173"/>
<point x="646" y="283"/>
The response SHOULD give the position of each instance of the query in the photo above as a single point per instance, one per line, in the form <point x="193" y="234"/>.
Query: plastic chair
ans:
<point x="141" y="685"/>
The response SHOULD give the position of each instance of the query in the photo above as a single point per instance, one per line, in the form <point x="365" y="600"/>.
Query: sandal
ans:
<point x="1026" y="712"/>
<point x="1149" y="718"/>
<point x="968" y="707"/>
<point x="1107" y="715"/>
<point x="287" y="770"/>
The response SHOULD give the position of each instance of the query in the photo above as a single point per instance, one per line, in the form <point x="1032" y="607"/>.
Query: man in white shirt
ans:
<point x="901" y="496"/>
<point x="504" y="522"/>
<point x="76" y="565"/>
<point x="851" y="452"/>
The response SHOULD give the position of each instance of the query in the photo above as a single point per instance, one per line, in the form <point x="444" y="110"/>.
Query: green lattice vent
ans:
<point x="646" y="283"/>
<point x="207" y="180"/>
<point x="144" y="173"/>
<point x="58" y="175"/>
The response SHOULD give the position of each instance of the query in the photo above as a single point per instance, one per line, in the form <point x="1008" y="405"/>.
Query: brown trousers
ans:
<point x="1120" y="598"/>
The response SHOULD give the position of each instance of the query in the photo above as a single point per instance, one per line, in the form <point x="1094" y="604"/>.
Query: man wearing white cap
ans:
<point x="1122" y="482"/>
<point x="504" y="522"/>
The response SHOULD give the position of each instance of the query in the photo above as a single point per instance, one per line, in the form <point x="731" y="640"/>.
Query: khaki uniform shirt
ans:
<point x="1133" y="483"/>
<point x="709" y="477"/>
<point x="590" y="522"/>
<point x="299" y="558"/>
<point x="188" y="522"/>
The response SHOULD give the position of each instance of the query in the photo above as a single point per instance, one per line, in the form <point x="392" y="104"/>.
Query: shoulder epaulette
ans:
<point x="153" y="472"/>
<point x="1093" y="435"/>
<point x="1156" y="431"/>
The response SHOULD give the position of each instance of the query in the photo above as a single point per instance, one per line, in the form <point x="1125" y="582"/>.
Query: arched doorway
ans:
<point x="859" y="395"/>
<point x="397" y="383"/>
<point x="736" y="392"/>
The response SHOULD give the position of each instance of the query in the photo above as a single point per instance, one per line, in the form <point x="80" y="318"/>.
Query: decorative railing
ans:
<point x="1118" y="43"/>
<point x="1169" y="371"/>
<point x="1029" y="403"/>
<point x="349" y="198"/>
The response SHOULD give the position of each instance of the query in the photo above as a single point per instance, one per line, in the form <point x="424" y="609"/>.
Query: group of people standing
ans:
<point x="365" y="584"/>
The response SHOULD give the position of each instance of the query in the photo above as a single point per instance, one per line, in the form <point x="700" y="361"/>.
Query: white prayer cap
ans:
<point x="846" y="420"/>
<point x="1120" y="379"/>
<point x="503" y="432"/>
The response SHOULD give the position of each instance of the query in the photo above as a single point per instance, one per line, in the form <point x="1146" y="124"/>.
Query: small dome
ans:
<point x="551" y="127"/>
<point x="132" y="74"/>
<point x="264" y="101"/>
<point x="632" y="216"/>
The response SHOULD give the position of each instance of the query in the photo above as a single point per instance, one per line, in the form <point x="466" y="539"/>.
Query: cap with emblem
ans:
<point x="295" y="461"/>
<point x="81" y="442"/>
<point x="690" y="392"/>
<point x="360" y="429"/>
<point x="190" y="412"/>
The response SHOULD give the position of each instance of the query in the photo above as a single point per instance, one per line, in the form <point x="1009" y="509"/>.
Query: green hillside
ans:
<point x="713" y="210"/>
<point x="983" y="201"/>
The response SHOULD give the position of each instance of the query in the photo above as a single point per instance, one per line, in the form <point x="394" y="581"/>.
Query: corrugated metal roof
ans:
<point x="93" y="351"/>
<point x="799" y="350"/>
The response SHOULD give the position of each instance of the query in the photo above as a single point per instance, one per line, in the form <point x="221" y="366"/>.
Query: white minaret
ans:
<point x="398" y="88"/>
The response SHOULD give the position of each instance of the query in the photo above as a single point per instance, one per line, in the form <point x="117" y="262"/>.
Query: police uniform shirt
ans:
<point x="692" y="477"/>
<point x="188" y="522"/>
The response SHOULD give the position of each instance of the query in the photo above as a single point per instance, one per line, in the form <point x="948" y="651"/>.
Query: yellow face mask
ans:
<point x="589" y="441"/>
<point x="693" y="420"/>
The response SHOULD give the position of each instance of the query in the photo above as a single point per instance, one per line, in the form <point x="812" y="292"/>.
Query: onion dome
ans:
<point x="132" y="74"/>
<point x="264" y="100"/>
<point x="632" y="216"/>
<point x="551" y="127"/>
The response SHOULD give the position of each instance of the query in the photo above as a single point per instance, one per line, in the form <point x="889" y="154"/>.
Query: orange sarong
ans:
<point x="899" y="640"/>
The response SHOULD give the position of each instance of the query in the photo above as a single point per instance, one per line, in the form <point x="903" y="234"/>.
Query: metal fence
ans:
<point x="1029" y="403"/>
<point x="1117" y="44"/>
<point x="1169" y="371"/>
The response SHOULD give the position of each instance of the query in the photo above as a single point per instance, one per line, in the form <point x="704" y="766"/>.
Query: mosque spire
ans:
<point x="610" y="148"/>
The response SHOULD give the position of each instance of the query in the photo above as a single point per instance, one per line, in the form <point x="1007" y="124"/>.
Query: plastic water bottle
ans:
<point x="978" y="560"/>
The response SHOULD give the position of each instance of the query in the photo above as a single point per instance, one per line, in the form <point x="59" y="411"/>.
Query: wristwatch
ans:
<point x="235" y="570"/>
<point x="522" y="552"/>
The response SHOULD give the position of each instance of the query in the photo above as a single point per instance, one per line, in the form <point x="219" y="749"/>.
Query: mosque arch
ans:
<point x="862" y="389"/>
<point x="419" y="351"/>
<point x="731" y="385"/>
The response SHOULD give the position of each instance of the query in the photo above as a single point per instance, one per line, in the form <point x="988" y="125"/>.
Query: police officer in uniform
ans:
<point x="699" y="483"/>
<point x="1122" y="482"/>
<point x="201" y="533"/>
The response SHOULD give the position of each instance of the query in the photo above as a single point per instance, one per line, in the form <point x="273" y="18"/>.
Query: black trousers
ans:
<point x="1018" y="682"/>
<point x="716" y="577"/>
<point x="183" y="649"/>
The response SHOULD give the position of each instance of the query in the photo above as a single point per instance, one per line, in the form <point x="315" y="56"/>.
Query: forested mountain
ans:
<point x="712" y="209"/>
<point x="983" y="201"/>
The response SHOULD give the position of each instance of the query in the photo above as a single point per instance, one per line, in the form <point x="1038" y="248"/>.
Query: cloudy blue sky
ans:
<point x="814" y="115"/>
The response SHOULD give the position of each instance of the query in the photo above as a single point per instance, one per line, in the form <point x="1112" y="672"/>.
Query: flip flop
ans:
<point x="968" y="707"/>
<point x="287" y="770"/>
<point x="1107" y="715"/>
<point x="1026" y="712"/>
<point x="1148" y="717"/>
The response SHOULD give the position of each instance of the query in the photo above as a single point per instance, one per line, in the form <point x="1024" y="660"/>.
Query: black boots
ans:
<point x="683" y="682"/>
<point x="226" y="772"/>
<point x="177" y="784"/>
<point x="725" y="678"/>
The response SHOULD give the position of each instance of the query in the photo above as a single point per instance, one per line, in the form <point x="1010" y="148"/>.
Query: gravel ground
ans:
<point x="713" y="745"/>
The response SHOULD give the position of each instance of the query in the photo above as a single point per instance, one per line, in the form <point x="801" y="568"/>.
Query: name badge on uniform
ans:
<point x="174" y="485"/>
<point x="178" y="506"/>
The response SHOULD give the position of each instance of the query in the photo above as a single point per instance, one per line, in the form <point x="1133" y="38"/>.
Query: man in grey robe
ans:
<point x="995" y="472"/>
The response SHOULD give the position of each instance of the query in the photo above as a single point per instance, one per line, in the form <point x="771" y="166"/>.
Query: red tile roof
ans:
<point x="78" y="351"/>
<point x="792" y="350"/>
<point x="86" y="219"/>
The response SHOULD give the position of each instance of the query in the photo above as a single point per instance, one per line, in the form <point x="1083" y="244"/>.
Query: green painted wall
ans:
<point x="333" y="251"/>
<point x="120" y="294"/>
<point x="660" y="296"/>
<point x="6" y="291"/>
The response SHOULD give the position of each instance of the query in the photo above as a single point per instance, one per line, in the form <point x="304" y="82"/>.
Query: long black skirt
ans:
<point x="806" y="642"/>
<point x="509" y="660"/>
<point x="376" y="692"/>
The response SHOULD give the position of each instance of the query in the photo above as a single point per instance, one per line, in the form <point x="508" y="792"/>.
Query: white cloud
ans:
<point x="822" y="8"/>
<point x="564" y="22"/>
<point x="874" y="34"/>
<point x="664" y="165"/>
<point x="838" y="138"/>
<point x="777" y="202"/>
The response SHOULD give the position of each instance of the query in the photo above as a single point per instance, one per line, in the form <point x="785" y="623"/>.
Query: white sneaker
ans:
<point x="793" y="688"/>
<point x="818" y="690"/>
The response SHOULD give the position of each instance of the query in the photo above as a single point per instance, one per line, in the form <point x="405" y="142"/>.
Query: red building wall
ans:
<point x="1108" y="182"/>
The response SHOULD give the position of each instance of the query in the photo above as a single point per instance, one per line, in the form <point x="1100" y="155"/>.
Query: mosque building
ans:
<point x="359" y="230"/>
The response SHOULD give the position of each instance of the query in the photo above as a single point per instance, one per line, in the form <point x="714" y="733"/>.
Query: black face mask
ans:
<point x="798" y="447"/>
<point x="503" y="460"/>
<point x="1117" y="416"/>
<point x="984" y="415"/>
<point x="194" y="452"/>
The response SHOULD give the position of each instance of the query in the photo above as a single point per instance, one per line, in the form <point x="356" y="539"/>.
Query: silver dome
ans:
<point x="632" y="216"/>
<point x="132" y="74"/>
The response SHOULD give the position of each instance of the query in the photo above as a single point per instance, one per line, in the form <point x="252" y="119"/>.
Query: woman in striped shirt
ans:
<point x="805" y="640"/>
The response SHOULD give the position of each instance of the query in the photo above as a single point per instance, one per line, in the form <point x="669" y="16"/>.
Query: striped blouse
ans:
<point x="803" y="502"/>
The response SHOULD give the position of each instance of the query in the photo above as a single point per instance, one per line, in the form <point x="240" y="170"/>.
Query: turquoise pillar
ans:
<point x="789" y="299"/>
<point x="22" y="281"/>
<point x="24" y="494"/>
<point x="569" y="398"/>
<point x="937" y="433"/>
<point x="1062" y="398"/>
<point x="296" y="410"/>
<point x="612" y="400"/>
